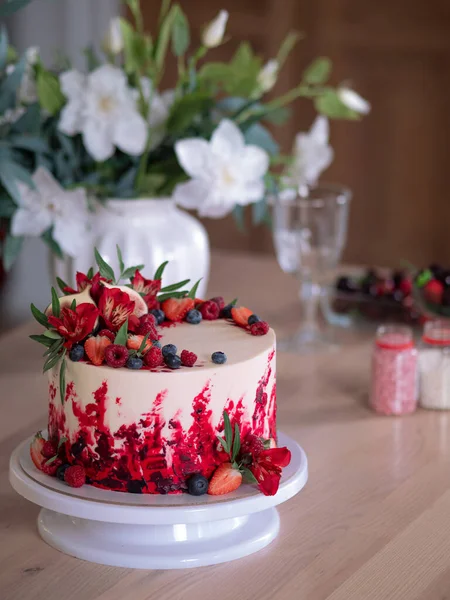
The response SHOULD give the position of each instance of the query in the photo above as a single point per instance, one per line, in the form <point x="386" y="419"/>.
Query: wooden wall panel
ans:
<point x="397" y="54"/>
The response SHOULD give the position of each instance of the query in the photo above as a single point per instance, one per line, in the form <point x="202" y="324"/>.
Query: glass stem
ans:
<point x="310" y="295"/>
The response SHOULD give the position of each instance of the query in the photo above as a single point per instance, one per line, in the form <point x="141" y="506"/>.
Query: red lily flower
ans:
<point x="83" y="281"/>
<point x="266" y="467"/>
<point x="75" y="325"/>
<point x="148" y="287"/>
<point x="115" y="307"/>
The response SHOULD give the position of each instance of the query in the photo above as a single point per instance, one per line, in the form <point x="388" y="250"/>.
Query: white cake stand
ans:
<point x="154" y="531"/>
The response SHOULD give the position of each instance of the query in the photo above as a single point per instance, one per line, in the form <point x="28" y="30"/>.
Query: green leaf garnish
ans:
<point x="53" y="335"/>
<point x="171" y="295"/>
<point x="54" y="348"/>
<point x="224" y="443"/>
<point x="143" y="343"/>
<point x="175" y="286"/>
<point x="105" y="270"/>
<point x="236" y="442"/>
<point x="193" y="291"/>
<point x="62" y="441"/>
<point x="119" y="256"/>
<point x="90" y="273"/>
<point x="130" y="272"/>
<point x="42" y="339"/>
<point x="228" y="430"/>
<point x="39" y="316"/>
<point x="61" y="284"/>
<point x="51" y="460"/>
<point x="248" y="475"/>
<point x="423" y="278"/>
<point x="122" y="335"/>
<point x="73" y="305"/>
<point x="52" y="361"/>
<point x="160" y="270"/>
<point x="62" y="379"/>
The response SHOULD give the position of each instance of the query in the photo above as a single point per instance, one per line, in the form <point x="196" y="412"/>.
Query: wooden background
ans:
<point x="397" y="54"/>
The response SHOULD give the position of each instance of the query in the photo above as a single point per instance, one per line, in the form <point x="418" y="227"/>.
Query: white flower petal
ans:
<point x="216" y="206"/>
<point x="70" y="121"/>
<point x="113" y="41"/>
<point x="107" y="79"/>
<point x="227" y="140"/>
<point x="193" y="154"/>
<point x="70" y="234"/>
<point x="320" y="130"/>
<point x="267" y="77"/>
<point x="191" y="195"/>
<point x="354" y="101"/>
<point x="29" y="222"/>
<point x="214" y="32"/>
<point x="130" y="134"/>
<point x="72" y="84"/>
<point x="46" y="184"/>
<point x="97" y="138"/>
<point x="254" y="162"/>
<point x="252" y="191"/>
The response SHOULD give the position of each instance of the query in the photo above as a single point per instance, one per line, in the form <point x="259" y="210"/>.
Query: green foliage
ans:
<point x="330" y="105"/>
<point x="318" y="71"/>
<point x="11" y="6"/>
<point x="49" y="91"/>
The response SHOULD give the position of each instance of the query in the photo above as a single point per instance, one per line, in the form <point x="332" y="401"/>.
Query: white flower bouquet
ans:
<point x="114" y="133"/>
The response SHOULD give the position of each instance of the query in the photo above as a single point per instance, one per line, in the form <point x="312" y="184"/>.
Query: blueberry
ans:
<point x="345" y="284"/>
<point x="194" y="317"/>
<point x="253" y="319"/>
<point x="134" y="362"/>
<point x="169" y="349"/>
<point x="60" y="471"/>
<point x="158" y="314"/>
<point x="172" y="361"/>
<point x="156" y="343"/>
<point x="76" y="353"/>
<point x="226" y="311"/>
<point x="197" y="485"/>
<point x="219" y="358"/>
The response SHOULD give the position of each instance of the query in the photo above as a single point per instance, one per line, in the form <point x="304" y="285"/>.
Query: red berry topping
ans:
<point x="95" y="349"/>
<point x="406" y="287"/>
<point x="108" y="334"/>
<point x="219" y="301"/>
<point x="225" y="479"/>
<point x="433" y="291"/>
<point x="188" y="359"/>
<point x="252" y="445"/>
<point x="210" y="310"/>
<point x="75" y="476"/>
<point x="154" y="357"/>
<point x="116" y="356"/>
<point x="240" y="315"/>
<point x="259" y="328"/>
<point x="147" y="324"/>
<point x="176" y="309"/>
<point x="48" y="450"/>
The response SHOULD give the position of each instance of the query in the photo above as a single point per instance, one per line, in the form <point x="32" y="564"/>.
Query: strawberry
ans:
<point x="176" y="309"/>
<point x="225" y="479"/>
<point x="240" y="315"/>
<point x="48" y="450"/>
<point x="36" y="448"/>
<point x="406" y="286"/>
<point x="75" y="476"/>
<point x="433" y="291"/>
<point x="134" y="343"/>
<point x="95" y="349"/>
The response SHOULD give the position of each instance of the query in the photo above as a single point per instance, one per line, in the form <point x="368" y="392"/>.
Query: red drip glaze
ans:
<point x="154" y="456"/>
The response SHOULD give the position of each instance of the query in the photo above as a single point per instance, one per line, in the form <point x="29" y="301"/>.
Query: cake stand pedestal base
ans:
<point x="155" y="532"/>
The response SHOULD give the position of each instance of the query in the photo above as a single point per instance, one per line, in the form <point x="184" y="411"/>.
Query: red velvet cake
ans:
<point x="154" y="391"/>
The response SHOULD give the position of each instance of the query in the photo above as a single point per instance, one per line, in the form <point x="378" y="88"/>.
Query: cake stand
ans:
<point x="154" y="531"/>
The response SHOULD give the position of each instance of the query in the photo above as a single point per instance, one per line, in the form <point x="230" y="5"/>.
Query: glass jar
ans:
<point x="434" y="365"/>
<point x="394" y="371"/>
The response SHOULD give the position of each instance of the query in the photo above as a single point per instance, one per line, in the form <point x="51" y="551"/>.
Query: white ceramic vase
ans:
<point x="149" y="232"/>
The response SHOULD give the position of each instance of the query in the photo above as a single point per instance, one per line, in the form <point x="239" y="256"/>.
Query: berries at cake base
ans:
<point x="95" y="348"/>
<point x="188" y="359"/>
<point x="116" y="356"/>
<point x="241" y="315"/>
<point x="158" y="314"/>
<point x="75" y="476"/>
<point x="194" y="317"/>
<point x="259" y="328"/>
<point x="172" y="361"/>
<point x="253" y="319"/>
<point x="210" y="310"/>
<point x="169" y="349"/>
<point x="154" y="358"/>
<point x="219" y="358"/>
<point x="76" y="353"/>
<point x="134" y="363"/>
<point x="226" y="479"/>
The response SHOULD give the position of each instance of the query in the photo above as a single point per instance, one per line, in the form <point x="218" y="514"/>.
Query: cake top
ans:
<point x="128" y="321"/>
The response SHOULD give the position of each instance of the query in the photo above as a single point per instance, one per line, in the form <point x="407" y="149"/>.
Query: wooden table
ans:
<point x="373" y="523"/>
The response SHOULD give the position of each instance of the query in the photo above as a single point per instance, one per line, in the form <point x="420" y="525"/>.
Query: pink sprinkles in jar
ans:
<point x="394" y="371"/>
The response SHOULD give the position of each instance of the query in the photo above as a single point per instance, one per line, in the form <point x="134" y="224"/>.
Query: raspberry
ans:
<point x="147" y="325"/>
<point x="154" y="357"/>
<point x="107" y="333"/>
<point x="116" y="356"/>
<point x="252" y="445"/>
<point x="48" y="450"/>
<point x="188" y="359"/>
<point x="210" y="310"/>
<point x="219" y="301"/>
<point x="259" y="328"/>
<point x="75" y="476"/>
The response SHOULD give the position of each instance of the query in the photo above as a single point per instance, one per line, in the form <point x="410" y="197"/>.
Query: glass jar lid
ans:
<point x="394" y="337"/>
<point x="437" y="332"/>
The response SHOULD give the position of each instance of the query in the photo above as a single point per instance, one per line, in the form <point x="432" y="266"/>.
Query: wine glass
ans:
<point x="310" y="231"/>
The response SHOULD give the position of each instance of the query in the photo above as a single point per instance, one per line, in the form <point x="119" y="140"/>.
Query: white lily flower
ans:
<point x="214" y="32"/>
<point x="159" y="110"/>
<point x="225" y="172"/>
<point x="49" y="205"/>
<point x="353" y="100"/>
<point x="103" y="109"/>
<point x="312" y="154"/>
<point x="268" y="75"/>
<point x="113" y="41"/>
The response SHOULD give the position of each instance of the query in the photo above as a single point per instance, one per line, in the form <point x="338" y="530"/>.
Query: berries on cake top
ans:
<point x="107" y="322"/>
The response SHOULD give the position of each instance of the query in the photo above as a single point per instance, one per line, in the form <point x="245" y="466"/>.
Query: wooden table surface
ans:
<point x="373" y="522"/>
